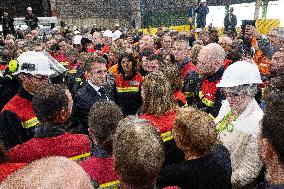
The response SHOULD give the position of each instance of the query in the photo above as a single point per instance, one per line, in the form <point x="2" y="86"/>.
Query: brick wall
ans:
<point x="86" y="12"/>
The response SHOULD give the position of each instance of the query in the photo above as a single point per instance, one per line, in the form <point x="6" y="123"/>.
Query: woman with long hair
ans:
<point x="128" y="85"/>
<point x="159" y="107"/>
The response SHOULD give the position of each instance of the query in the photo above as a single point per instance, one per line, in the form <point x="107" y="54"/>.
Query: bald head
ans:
<point x="210" y="59"/>
<point x="138" y="153"/>
<point x="53" y="172"/>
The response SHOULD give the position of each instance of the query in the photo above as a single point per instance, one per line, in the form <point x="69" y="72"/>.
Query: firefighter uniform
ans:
<point x="202" y="93"/>
<point x="100" y="167"/>
<point x="128" y="93"/>
<point x="73" y="146"/>
<point x="17" y="119"/>
<point x="165" y="125"/>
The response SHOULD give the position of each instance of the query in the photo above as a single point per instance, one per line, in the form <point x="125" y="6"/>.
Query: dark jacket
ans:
<point x="210" y="172"/>
<point x="269" y="186"/>
<point x="31" y="21"/>
<point x="191" y="12"/>
<point x="9" y="87"/>
<point x="83" y="101"/>
<point x="8" y="25"/>
<point x="230" y="24"/>
<point x="201" y="16"/>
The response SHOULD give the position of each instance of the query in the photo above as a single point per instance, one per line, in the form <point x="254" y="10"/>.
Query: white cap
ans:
<point x="203" y="1"/>
<point x="55" y="29"/>
<point x="107" y="33"/>
<point x="76" y="32"/>
<point x="77" y="39"/>
<point x="29" y="9"/>
<point x="240" y="73"/>
<point x="38" y="63"/>
<point x="117" y="25"/>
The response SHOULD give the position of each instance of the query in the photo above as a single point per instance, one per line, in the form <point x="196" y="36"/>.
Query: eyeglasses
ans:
<point x="41" y="77"/>
<point x="230" y="93"/>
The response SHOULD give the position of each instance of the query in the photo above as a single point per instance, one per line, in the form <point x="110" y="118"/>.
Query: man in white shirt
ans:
<point x="238" y="121"/>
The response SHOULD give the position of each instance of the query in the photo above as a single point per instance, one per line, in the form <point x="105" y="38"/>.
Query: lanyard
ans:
<point x="224" y="125"/>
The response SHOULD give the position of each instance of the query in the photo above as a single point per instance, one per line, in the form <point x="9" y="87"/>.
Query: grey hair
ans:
<point x="281" y="33"/>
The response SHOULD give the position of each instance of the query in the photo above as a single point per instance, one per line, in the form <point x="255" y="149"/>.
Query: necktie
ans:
<point x="103" y="93"/>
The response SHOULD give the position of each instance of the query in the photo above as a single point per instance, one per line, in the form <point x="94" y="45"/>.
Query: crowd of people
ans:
<point x="110" y="109"/>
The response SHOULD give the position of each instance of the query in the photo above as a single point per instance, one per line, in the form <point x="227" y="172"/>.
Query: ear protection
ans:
<point x="13" y="66"/>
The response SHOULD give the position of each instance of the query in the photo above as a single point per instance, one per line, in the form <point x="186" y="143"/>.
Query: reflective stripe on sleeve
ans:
<point x="127" y="89"/>
<point x="30" y="123"/>
<point x="81" y="156"/>
<point x="167" y="136"/>
<point x="111" y="185"/>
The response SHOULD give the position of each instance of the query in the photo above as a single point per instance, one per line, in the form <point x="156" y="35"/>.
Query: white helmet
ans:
<point x="29" y="9"/>
<point x="203" y="1"/>
<point x="38" y="63"/>
<point x="116" y="35"/>
<point x="107" y="33"/>
<point x="240" y="73"/>
<point x="77" y="39"/>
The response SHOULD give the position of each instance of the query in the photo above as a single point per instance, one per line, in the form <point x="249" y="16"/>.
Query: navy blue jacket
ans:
<point x="201" y="16"/>
<point x="230" y="24"/>
<point x="82" y="103"/>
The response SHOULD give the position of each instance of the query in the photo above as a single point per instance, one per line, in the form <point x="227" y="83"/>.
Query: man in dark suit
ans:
<point x="7" y="23"/>
<point x="93" y="90"/>
<point x="230" y="22"/>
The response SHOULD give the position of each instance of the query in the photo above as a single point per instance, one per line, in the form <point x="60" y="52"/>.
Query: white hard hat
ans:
<point x="107" y="33"/>
<point x="76" y="32"/>
<point x="77" y="39"/>
<point x="240" y="73"/>
<point x="38" y="63"/>
<point x="29" y="9"/>
<point x="203" y="1"/>
<point x="116" y="35"/>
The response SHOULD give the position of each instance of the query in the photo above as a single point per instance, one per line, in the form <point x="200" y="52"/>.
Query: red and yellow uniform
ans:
<point x="18" y="119"/>
<point x="101" y="171"/>
<point x="128" y="93"/>
<point x="72" y="146"/>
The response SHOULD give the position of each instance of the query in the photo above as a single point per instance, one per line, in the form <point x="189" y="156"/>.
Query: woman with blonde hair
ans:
<point x="159" y="107"/>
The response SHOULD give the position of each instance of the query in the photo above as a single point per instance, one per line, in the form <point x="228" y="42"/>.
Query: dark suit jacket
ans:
<point x="228" y="24"/>
<point x="82" y="103"/>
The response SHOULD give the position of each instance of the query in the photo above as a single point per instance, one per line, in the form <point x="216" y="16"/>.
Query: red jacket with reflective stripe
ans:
<point x="164" y="123"/>
<point x="101" y="170"/>
<point x="67" y="145"/>
<point x="128" y="93"/>
<point x="7" y="169"/>
<point x="22" y="107"/>
<point x="187" y="68"/>
<point x="180" y="98"/>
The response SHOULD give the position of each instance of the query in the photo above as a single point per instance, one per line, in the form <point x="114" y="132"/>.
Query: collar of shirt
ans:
<point x="97" y="88"/>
